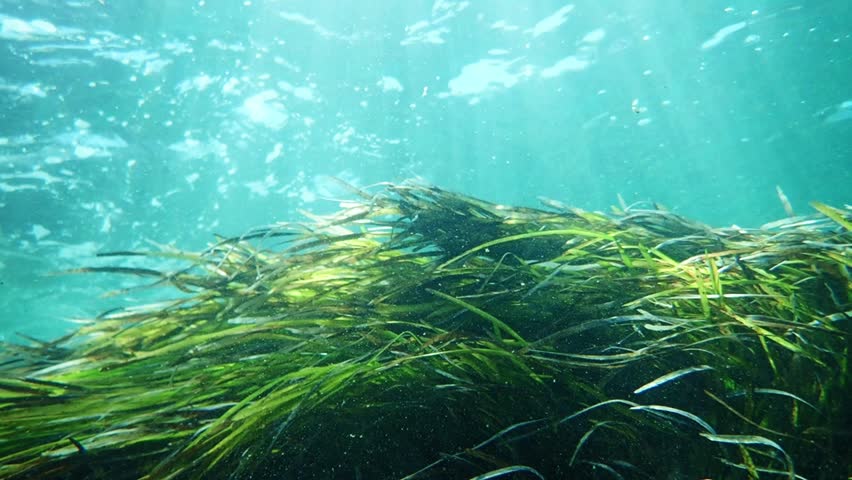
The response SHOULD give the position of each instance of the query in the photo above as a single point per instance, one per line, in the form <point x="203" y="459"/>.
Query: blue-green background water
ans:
<point x="126" y="124"/>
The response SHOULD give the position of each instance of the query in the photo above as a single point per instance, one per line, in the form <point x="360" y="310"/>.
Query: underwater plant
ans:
<point x="419" y="333"/>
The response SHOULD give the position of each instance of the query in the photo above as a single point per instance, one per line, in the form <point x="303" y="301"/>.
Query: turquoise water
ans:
<point x="168" y="122"/>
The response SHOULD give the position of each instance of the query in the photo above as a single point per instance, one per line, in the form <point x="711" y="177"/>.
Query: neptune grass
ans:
<point x="419" y="333"/>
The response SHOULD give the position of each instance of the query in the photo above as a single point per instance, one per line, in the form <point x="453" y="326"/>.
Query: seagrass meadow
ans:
<point x="422" y="334"/>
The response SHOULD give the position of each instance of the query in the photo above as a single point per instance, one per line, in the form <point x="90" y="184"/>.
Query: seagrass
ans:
<point x="420" y="333"/>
